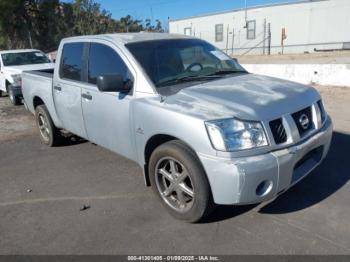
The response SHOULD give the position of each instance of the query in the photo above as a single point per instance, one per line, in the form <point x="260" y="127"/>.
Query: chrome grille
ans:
<point x="303" y="120"/>
<point x="278" y="131"/>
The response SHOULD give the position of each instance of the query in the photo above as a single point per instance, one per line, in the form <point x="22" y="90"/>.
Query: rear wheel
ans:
<point x="179" y="180"/>
<point x="0" y="93"/>
<point x="50" y="135"/>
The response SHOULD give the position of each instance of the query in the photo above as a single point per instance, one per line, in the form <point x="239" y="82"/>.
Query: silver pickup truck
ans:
<point x="204" y="130"/>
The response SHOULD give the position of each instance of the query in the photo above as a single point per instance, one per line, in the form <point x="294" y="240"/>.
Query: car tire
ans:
<point x="0" y="93"/>
<point x="179" y="180"/>
<point x="50" y="135"/>
<point x="15" y="100"/>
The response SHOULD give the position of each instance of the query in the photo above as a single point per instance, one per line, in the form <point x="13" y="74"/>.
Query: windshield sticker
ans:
<point x="39" y="54"/>
<point x="222" y="56"/>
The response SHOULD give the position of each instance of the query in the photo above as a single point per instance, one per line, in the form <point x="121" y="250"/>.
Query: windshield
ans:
<point x="168" y="62"/>
<point x="24" y="58"/>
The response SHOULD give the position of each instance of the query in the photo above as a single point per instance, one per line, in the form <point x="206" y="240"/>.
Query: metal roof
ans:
<point x="248" y="8"/>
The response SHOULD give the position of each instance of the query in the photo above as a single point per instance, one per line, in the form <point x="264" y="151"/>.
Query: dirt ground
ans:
<point x="338" y="57"/>
<point x="15" y="121"/>
<point x="337" y="103"/>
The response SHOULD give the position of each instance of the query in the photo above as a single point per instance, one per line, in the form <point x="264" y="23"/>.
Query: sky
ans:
<point x="162" y="9"/>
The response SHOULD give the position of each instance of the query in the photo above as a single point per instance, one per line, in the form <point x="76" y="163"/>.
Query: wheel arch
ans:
<point x="37" y="101"/>
<point x="152" y="143"/>
<point x="7" y="84"/>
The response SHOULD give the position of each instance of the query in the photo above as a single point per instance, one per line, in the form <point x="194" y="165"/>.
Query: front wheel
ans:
<point x="50" y="135"/>
<point x="179" y="180"/>
<point x="15" y="100"/>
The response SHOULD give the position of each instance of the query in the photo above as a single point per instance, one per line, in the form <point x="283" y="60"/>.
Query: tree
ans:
<point x="43" y="23"/>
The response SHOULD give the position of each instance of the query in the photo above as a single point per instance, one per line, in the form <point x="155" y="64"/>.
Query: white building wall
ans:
<point x="320" y="24"/>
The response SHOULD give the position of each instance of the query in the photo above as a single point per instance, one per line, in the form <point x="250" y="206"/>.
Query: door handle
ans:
<point x="86" y="96"/>
<point x="58" y="88"/>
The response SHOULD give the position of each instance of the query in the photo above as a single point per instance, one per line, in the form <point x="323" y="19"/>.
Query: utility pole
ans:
<point x="246" y="14"/>
<point x="233" y="35"/>
<point x="168" y="31"/>
<point x="233" y="39"/>
<point x="269" y="39"/>
<point x="264" y="42"/>
<point x="227" y="34"/>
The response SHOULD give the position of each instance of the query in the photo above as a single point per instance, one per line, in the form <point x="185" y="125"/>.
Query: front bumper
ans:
<point x="255" y="179"/>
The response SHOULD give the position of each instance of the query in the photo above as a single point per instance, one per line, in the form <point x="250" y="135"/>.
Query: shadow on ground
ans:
<point x="72" y="140"/>
<point x="324" y="181"/>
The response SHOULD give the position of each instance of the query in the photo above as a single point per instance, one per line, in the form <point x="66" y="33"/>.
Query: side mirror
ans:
<point x="113" y="83"/>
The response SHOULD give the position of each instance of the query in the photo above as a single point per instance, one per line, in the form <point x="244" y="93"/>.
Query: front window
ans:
<point x="24" y="58"/>
<point x="168" y="62"/>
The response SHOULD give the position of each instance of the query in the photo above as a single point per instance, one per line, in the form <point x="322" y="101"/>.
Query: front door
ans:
<point x="107" y="115"/>
<point x="68" y="86"/>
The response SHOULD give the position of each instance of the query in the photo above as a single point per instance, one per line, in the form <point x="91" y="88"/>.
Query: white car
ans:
<point x="13" y="63"/>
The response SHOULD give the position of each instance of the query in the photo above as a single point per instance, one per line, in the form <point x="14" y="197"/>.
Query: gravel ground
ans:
<point x="15" y="121"/>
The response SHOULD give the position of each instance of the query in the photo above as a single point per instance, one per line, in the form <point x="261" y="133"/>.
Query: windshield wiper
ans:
<point x="185" y="79"/>
<point x="226" y="72"/>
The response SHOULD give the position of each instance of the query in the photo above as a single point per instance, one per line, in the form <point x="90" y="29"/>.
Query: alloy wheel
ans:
<point x="174" y="184"/>
<point x="43" y="127"/>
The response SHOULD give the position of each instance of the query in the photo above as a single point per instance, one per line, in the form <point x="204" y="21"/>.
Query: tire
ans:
<point x="188" y="197"/>
<point x="15" y="100"/>
<point x="50" y="135"/>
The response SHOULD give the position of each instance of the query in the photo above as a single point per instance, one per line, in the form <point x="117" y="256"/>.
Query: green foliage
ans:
<point x="43" y="23"/>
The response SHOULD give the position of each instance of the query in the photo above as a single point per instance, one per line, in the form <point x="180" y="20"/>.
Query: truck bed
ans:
<point x="37" y="88"/>
<point x="44" y="72"/>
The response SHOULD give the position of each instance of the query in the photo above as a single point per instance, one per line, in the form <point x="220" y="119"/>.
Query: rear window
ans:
<point x="72" y="61"/>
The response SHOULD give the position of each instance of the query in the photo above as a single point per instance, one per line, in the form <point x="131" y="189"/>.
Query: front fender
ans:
<point x="152" y="118"/>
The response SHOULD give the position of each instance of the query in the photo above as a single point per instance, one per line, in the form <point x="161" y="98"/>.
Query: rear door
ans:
<point x="68" y="85"/>
<point x="107" y="114"/>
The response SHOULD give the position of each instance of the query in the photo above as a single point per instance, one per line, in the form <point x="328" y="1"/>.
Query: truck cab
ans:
<point x="13" y="63"/>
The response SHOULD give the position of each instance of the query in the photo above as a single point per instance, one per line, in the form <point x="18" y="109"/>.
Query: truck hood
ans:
<point x="248" y="96"/>
<point x="12" y="70"/>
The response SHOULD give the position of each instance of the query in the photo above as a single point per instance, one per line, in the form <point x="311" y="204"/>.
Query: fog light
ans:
<point x="264" y="188"/>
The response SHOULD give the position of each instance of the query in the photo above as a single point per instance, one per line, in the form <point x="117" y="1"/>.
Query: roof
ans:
<point x="132" y="37"/>
<point x="249" y="8"/>
<point x="18" y="51"/>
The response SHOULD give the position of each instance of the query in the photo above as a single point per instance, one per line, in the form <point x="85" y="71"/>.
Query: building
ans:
<point x="296" y="27"/>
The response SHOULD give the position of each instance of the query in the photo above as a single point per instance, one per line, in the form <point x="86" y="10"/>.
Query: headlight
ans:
<point x="16" y="79"/>
<point x="233" y="134"/>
